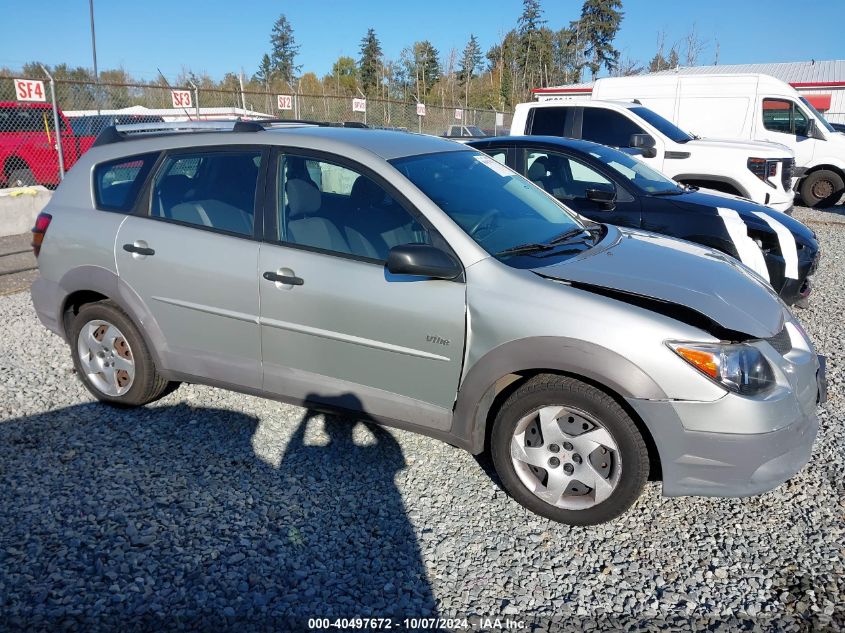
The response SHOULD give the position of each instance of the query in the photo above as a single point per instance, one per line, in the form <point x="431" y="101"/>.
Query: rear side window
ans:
<point x="214" y="189"/>
<point x="608" y="127"/>
<point x="117" y="183"/>
<point x="550" y="121"/>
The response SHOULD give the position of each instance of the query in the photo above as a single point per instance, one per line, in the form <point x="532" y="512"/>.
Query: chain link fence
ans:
<point x="30" y="147"/>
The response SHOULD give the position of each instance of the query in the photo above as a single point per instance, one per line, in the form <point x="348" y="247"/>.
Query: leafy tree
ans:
<point x="599" y="23"/>
<point x="284" y="50"/>
<point x="370" y="63"/>
<point x="343" y="78"/>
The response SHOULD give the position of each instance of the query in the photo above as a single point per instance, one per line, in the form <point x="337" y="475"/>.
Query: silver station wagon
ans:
<point x="415" y="282"/>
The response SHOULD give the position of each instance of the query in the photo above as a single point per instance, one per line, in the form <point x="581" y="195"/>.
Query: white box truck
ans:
<point x="746" y="106"/>
<point x="759" y="171"/>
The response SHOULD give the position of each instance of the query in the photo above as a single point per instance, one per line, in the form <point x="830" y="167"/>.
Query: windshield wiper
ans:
<point x="568" y="235"/>
<point x="669" y="192"/>
<point x="531" y="247"/>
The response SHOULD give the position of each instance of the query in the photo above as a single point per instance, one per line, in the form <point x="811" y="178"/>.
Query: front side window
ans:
<point x="783" y="115"/>
<point x="332" y="208"/>
<point x="213" y="189"/>
<point x="562" y="176"/>
<point x="117" y="182"/>
<point x="494" y="205"/>
<point x="608" y="127"/>
<point x="636" y="172"/>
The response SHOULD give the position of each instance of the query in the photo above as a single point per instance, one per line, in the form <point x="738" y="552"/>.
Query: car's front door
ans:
<point x="336" y="326"/>
<point x="193" y="260"/>
<point x="785" y="122"/>
<point x="574" y="182"/>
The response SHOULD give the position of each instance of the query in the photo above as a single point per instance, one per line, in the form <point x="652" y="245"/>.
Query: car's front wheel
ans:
<point x="111" y="357"/>
<point x="822" y="188"/>
<point x="567" y="451"/>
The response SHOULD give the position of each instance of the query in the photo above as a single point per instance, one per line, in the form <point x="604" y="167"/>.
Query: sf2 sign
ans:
<point x="359" y="105"/>
<point x="284" y="102"/>
<point x="181" y="98"/>
<point x="30" y="90"/>
<point x="459" y="114"/>
<point x="420" y="109"/>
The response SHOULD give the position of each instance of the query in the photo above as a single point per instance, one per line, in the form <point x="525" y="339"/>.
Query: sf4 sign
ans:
<point x="30" y="90"/>
<point x="459" y="114"/>
<point x="181" y="98"/>
<point x="284" y="102"/>
<point x="420" y="109"/>
<point x="359" y="105"/>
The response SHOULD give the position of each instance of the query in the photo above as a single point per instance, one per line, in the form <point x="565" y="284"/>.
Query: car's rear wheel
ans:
<point x="822" y="188"/>
<point x="21" y="178"/>
<point x="111" y="357"/>
<point x="567" y="451"/>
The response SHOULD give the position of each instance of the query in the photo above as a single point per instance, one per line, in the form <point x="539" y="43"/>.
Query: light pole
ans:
<point x="94" y="52"/>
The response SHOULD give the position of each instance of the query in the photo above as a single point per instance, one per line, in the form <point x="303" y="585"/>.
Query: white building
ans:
<point x="822" y="83"/>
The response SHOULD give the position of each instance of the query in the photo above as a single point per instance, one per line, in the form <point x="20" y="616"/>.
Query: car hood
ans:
<point x="746" y="209"/>
<point x="760" y="149"/>
<point x="674" y="271"/>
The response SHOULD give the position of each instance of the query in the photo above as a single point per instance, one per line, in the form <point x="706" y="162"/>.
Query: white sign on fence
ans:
<point x="285" y="102"/>
<point x="30" y="90"/>
<point x="359" y="105"/>
<point x="500" y="119"/>
<point x="420" y="109"/>
<point x="459" y="114"/>
<point x="181" y="98"/>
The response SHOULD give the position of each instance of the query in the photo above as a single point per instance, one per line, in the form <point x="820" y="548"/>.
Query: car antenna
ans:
<point x="167" y="83"/>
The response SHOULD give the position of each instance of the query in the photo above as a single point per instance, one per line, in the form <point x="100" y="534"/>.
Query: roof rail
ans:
<point x="117" y="133"/>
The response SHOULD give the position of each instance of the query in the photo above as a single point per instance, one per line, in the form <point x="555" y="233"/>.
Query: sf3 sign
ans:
<point x="30" y="90"/>
<point x="284" y="102"/>
<point x="181" y="98"/>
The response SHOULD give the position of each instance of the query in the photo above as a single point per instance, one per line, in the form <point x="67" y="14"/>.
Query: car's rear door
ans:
<point x="336" y="327"/>
<point x="192" y="257"/>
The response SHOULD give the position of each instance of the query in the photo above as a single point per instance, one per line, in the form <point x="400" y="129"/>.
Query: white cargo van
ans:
<point x="746" y="106"/>
<point x="761" y="172"/>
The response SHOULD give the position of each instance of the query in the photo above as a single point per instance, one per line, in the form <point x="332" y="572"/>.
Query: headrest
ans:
<point x="366" y="193"/>
<point x="538" y="169"/>
<point x="303" y="198"/>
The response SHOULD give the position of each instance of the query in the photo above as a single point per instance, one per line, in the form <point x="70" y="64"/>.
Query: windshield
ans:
<point x="818" y="115"/>
<point x="664" y="126"/>
<point x="496" y="207"/>
<point x="635" y="171"/>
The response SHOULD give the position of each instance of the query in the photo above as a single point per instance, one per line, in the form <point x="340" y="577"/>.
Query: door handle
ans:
<point x="287" y="280"/>
<point x="138" y="250"/>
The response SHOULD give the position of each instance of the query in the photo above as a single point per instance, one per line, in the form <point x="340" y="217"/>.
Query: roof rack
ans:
<point x="118" y="133"/>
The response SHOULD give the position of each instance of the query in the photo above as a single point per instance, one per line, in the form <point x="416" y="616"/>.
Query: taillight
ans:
<point x="42" y="222"/>
<point x="763" y="169"/>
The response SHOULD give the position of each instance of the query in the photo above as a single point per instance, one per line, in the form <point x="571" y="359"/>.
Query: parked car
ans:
<point x="746" y="106"/>
<point x="87" y="127"/>
<point x="761" y="172"/>
<point x="28" y="153"/>
<point x="607" y="185"/>
<point x="464" y="131"/>
<point x="414" y="281"/>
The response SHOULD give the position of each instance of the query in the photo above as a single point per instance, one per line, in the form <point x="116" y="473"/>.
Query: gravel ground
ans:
<point x="210" y="507"/>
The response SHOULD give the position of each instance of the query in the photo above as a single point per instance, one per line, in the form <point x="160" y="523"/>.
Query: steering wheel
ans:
<point x="484" y="220"/>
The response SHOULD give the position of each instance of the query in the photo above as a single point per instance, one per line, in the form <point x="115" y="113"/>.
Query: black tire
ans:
<point x="21" y="178"/>
<point x="822" y="188"/>
<point x="147" y="384"/>
<point x="545" y="390"/>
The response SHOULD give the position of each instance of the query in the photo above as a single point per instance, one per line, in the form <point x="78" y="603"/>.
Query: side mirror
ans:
<point x="606" y="198"/>
<point x="422" y="260"/>
<point x="645" y="143"/>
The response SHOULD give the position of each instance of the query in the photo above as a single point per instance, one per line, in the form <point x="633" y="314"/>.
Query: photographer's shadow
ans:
<point x="203" y="516"/>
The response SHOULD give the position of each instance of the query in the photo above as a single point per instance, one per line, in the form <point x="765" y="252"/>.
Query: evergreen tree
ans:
<point x="532" y="47"/>
<point x="284" y="50"/>
<point x="470" y="60"/>
<point x="599" y="23"/>
<point x="264" y="72"/>
<point x="370" y="64"/>
<point x="674" y="60"/>
<point x="426" y="66"/>
<point x="658" y="62"/>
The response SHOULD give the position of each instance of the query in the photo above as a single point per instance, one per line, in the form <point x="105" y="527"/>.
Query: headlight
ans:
<point x="738" y="367"/>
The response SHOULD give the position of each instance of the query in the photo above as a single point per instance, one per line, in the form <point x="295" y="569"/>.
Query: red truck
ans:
<point x="28" y="154"/>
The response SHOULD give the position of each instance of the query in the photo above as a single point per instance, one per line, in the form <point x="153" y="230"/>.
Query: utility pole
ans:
<point x="94" y="53"/>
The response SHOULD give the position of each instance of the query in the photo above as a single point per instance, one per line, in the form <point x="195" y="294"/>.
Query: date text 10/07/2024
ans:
<point x="482" y="624"/>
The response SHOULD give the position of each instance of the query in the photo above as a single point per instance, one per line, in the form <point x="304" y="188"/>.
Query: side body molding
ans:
<point x="551" y="353"/>
<point x="106" y="282"/>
